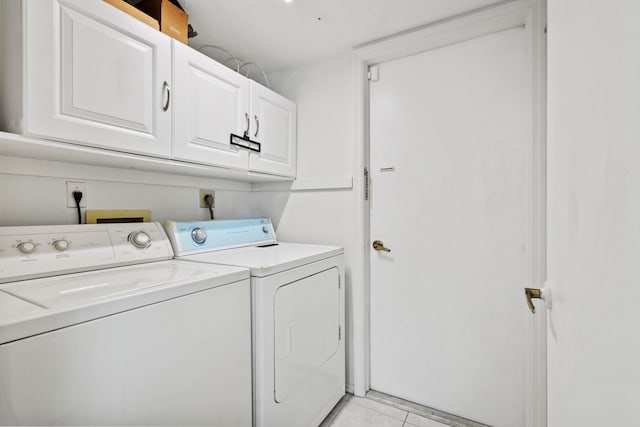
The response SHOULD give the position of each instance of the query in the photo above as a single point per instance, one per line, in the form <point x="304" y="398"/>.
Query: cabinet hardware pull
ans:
<point x="246" y="132"/>
<point x="257" y="126"/>
<point x="166" y="89"/>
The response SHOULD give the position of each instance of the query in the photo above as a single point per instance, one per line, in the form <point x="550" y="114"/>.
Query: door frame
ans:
<point x="505" y="15"/>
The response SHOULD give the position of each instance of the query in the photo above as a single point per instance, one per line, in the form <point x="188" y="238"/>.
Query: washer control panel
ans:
<point x="26" y="247"/>
<point x="39" y="251"/>
<point x="139" y="239"/>
<point x="60" y="245"/>
<point x="199" y="235"/>
<point x="190" y="238"/>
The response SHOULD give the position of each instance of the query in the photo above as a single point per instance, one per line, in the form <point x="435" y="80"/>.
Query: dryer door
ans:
<point x="307" y="329"/>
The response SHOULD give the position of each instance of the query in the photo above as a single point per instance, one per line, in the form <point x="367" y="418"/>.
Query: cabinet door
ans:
<point x="210" y="102"/>
<point x="97" y="76"/>
<point x="273" y="124"/>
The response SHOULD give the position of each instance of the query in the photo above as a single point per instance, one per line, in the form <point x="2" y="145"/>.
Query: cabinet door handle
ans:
<point x="246" y="132"/>
<point x="257" y="126"/>
<point x="166" y="90"/>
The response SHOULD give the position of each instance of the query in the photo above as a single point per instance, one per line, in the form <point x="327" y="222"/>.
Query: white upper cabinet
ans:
<point x="273" y="120"/>
<point x="97" y="77"/>
<point x="209" y="104"/>
<point x="84" y="72"/>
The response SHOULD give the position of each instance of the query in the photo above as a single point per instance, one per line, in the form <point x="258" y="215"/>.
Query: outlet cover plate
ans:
<point x="76" y="186"/>
<point x="204" y="193"/>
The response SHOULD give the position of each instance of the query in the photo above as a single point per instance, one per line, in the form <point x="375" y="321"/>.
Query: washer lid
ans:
<point x="271" y="259"/>
<point x="41" y="305"/>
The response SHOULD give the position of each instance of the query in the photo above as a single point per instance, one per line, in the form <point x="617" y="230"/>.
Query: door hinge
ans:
<point x="339" y="332"/>
<point x="366" y="183"/>
<point x="339" y="282"/>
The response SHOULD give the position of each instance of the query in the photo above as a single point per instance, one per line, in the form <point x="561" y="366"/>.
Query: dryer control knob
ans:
<point x="199" y="235"/>
<point x="140" y="239"/>
<point x="27" y="247"/>
<point x="61" y="245"/>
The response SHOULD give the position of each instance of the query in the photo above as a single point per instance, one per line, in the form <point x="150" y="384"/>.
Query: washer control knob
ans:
<point x="140" y="239"/>
<point x="61" y="245"/>
<point x="199" y="235"/>
<point x="27" y="247"/>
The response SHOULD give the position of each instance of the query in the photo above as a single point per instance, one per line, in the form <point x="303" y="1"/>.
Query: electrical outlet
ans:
<point x="76" y="186"/>
<point x="204" y="193"/>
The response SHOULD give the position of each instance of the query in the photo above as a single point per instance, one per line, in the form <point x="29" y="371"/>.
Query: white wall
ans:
<point x="33" y="192"/>
<point x="324" y="95"/>
<point x="594" y="212"/>
<point x="323" y="92"/>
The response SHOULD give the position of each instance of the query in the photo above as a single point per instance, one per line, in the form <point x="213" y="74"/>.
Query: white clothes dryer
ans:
<point x="297" y="295"/>
<point x="99" y="326"/>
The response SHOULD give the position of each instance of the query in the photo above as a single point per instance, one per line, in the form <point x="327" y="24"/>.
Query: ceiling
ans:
<point x="275" y="34"/>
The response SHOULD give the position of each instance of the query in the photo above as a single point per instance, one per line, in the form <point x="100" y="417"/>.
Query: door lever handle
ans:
<point x="379" y="246"/>
<point x="531" y="294"/>
<point x="534" y="293"/>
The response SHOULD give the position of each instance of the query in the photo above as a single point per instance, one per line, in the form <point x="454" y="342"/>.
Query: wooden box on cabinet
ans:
<point x="135" y="12"/>
<point x="173" y="21"/>
<point x="84" y="72"/>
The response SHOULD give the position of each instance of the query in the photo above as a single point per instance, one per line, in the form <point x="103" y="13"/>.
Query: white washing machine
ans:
<point x="99" y="326"/>
<point x="297" y="295"/>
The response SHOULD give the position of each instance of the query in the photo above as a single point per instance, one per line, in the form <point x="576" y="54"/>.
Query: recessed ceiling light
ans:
<point x="288" y="1"/>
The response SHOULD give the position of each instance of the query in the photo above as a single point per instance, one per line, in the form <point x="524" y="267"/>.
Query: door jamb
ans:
<point x="499" y="17"/>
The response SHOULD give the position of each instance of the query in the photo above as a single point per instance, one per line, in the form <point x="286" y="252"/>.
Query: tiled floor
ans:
<point x="362" y="412"/>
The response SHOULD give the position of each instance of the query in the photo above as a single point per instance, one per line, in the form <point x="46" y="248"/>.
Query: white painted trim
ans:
<point x="13" y="145"/>
<point x="360" y="266"/>
<point x="504" y="16"/>
<point x="535" y="334"/>
<point x="307" y="184"/>
<point x="537" y="376"/>
<point x="349" y="388"/>
<point x="488" y="20"/>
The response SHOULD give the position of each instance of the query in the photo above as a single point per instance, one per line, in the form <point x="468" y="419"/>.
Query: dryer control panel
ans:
<point x="39" y="251"/>
<point x="190" y="238"/>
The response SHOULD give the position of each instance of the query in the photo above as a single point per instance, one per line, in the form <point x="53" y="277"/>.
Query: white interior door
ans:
<point x="451" y="181"/>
